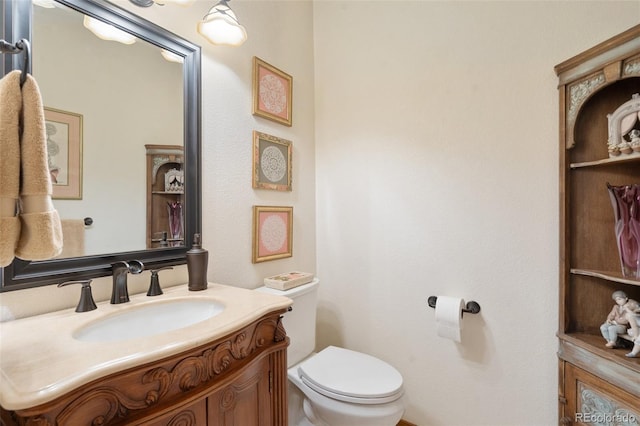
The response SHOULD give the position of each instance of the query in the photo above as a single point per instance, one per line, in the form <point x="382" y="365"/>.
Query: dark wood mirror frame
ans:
<point x="16" y="25"/>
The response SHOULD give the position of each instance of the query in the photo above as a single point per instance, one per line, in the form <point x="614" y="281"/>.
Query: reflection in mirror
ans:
<point x="124" y="99"/>
<point x="137" y="100"/>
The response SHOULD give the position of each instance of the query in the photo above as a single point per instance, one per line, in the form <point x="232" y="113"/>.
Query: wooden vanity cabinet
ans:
<point x="240" y="379"/>
<point x="595" y="382"/>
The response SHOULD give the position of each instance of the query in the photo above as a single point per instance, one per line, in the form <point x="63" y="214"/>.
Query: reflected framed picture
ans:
<point x="64" y="149"/>
<point x="271" y="162"/>
<point x="272" y="233"/>
<point x="272" y="92"/>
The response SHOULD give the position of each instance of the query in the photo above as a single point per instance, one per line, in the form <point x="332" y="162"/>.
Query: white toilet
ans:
<point x="336" y="386"/>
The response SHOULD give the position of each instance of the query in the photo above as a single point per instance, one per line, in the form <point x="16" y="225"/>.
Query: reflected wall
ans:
<point x="128" y="96"/>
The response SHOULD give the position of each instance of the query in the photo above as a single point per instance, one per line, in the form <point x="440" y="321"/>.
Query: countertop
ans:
<point x="40" y="360"/>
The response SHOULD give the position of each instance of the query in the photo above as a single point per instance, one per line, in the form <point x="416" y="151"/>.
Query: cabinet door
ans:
<point x="192" y="415"/>
<point x="246" y="401"/>
<point x="591" y="400"/>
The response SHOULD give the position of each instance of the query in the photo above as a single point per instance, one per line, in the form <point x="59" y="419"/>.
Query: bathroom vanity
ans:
<point x="101" y="368"/>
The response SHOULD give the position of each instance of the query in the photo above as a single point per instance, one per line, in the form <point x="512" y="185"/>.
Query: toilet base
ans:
<point x="324" y="411"/>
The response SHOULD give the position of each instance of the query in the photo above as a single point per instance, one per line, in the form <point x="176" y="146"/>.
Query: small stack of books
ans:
<point x="288" y="280"/>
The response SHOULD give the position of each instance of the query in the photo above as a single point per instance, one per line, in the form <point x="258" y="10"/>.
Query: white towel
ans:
<point x="40" y="231"/>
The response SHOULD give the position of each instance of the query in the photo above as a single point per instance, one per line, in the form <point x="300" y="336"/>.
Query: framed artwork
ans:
<point x="64" y="149"/>
<point x="272" y="233"/>
<point x="271" y="162"/>
<point x="272" y="92"/>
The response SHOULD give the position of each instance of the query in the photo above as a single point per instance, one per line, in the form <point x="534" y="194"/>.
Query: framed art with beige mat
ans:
<point x="64" y="149"/>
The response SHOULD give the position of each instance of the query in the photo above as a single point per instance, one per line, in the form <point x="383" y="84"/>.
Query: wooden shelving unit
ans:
<point x="160" y="160"/>
<point x="593" y="378"/>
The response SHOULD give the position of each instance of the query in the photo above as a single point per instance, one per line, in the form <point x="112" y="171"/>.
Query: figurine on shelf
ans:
<point x="633" y="315"/>
<point x="618" y="319"/>
<point x="623" y="121"/>
<point x="634" y="135"/>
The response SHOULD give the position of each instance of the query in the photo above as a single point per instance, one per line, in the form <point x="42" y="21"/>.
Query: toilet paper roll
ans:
<point x="449" y="317"/>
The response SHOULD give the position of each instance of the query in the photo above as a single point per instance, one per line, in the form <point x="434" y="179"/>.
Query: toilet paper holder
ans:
<point x="471" y="307"/>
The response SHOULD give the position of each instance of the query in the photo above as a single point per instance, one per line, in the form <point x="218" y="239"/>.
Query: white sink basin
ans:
<point x="149" y="319"/>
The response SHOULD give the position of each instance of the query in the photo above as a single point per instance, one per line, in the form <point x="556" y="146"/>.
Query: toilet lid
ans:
<point x="351" y="376"/>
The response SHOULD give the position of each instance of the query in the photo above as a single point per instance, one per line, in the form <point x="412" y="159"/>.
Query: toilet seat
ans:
<point x="351" y="376"/>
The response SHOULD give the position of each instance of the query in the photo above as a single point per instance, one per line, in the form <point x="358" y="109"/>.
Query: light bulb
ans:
<point x="107" y="32"/>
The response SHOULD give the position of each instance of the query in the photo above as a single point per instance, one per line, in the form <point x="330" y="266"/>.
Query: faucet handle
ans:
<point x="154" y="287"/>
<point x="86" y="302"/>
<point x="135" y="266"/>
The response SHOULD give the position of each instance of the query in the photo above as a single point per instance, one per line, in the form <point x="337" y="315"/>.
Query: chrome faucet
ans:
<point x="120" y="291"/>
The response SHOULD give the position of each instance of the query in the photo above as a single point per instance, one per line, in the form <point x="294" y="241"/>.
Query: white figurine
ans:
<point x="617" y="320"/>
<point x="635" y="139"/>
<point x="632" y="312"/>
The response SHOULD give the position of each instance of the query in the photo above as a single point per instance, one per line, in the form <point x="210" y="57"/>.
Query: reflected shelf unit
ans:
<point x="592" y="377"/>
<point x="165" y="166"/>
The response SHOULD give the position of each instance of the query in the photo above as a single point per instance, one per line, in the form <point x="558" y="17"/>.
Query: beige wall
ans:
<point x="425" y="165"/>
<point x="437" y="174"/>
<point x="281" y="34"/>
<point x="114" y="133"/>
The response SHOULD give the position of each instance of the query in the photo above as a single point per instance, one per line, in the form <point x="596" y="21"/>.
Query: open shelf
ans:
<point x="605" y="275"/>
<point x="595" y="344"/>
<point x="626" y="158"/>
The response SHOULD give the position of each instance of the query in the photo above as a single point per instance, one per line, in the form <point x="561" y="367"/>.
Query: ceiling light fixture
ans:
<point x="171" y="57"/>
<point x="49" y="4"/>
<point x="107" y="32"/>
<point x="148" y="3"/>
<point x="220" y="26"/>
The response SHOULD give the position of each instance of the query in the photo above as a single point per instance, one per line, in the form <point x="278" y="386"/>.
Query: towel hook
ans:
<point x="23" y="46"/>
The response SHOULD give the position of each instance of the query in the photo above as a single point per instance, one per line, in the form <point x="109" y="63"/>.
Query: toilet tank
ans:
<point x="300" y="322"/>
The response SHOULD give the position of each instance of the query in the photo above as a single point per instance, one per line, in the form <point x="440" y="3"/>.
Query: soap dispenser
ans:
<point x="197" y="262"/>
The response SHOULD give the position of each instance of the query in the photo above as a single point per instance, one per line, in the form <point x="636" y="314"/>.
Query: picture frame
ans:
<point x="272" y="233"/>
<point x="272" y="92"/>
<point x="64" y="148"/>
<point x="271" y="162"/>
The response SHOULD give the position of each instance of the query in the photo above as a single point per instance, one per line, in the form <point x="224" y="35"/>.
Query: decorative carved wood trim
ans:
<point x="618" y="45"/>
<point x="185" y="418"/>
<point x="279" y="384"/>
<point x="600" y="405"/>
<point x="584" y="74"/>
<point x="578" y="92"/>
<point x="631" y="67"/>
<point x="121" y="395"/>
<point x="281" y="333"/>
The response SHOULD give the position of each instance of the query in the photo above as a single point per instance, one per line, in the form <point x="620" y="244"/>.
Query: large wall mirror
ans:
<point x="125" y="98"/>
